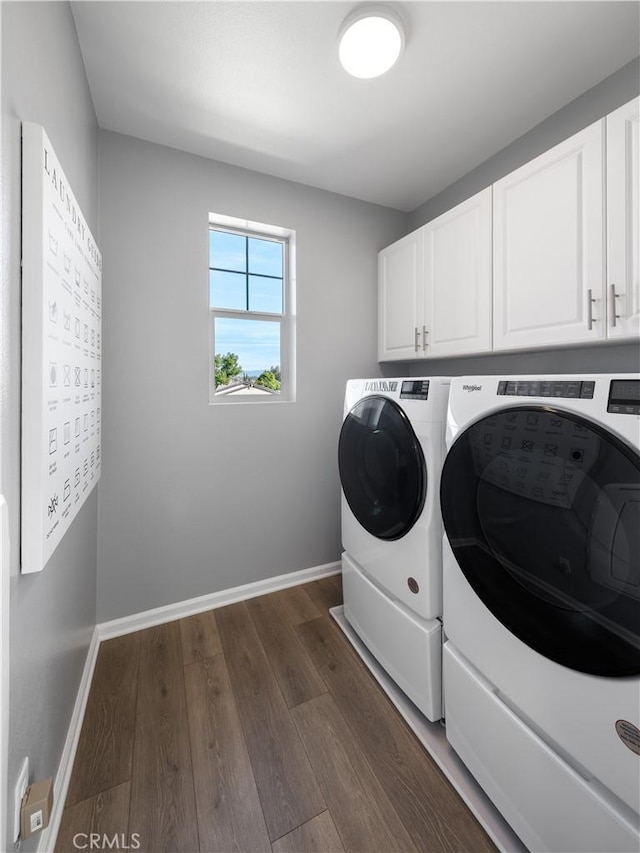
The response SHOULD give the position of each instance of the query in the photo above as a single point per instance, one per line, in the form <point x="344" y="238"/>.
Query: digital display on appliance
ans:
<point x="624" y="397"/>
<point x="415" y="389"/>
<point x="625" y="389"/>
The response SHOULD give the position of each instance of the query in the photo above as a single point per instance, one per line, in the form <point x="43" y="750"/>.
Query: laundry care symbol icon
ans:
<point x="53" y="505"/>
<point x="78" y="377"/>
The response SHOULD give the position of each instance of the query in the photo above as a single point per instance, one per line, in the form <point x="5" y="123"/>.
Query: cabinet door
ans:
<point x="623" y="220"/>
<point x="549" y="247"/>
<point x="457" y="273"/>
<point x="400" y="299"/>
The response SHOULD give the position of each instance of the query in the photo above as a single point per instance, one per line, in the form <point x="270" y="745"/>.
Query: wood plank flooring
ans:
<point x="254" y="728"/>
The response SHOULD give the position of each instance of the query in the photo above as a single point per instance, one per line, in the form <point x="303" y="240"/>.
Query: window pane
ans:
<point x="228" y="290"/>
<point x="227" y="251"/>
<point x="265" y="294"/>
<point x="265" y="257"/>
<point x="247" y="356"/>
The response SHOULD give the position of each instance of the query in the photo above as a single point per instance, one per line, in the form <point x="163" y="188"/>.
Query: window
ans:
<point x="251" y="306"/>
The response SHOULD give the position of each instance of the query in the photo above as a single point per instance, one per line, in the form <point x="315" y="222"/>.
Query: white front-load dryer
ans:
<point x="390" y="456"/>
<point x="540" y="497"/>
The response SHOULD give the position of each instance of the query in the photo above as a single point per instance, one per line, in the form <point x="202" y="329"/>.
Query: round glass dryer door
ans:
<point x="382" y="467"/>
<point x="542" y="511"/>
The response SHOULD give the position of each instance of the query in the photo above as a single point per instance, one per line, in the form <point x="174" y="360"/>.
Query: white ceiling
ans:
<point x="258" y="84"/>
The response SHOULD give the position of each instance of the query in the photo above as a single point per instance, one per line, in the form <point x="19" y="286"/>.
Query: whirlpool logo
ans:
<point x="471" y="388"/>
<point x="380" y="385"/>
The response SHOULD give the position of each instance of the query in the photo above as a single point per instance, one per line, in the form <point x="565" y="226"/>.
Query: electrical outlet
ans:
<point x="22" y="784"/>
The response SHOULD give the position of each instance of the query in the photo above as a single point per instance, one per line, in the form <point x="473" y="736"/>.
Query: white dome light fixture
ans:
<point x="371" y="40"/>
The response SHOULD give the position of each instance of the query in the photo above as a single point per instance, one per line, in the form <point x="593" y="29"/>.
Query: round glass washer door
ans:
<point x="382" y="467"/>
<point x="542" y="511"/>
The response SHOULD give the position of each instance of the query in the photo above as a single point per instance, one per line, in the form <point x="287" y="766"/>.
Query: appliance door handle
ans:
<point x="416" y="338"/>
<point x="424" y="338"/>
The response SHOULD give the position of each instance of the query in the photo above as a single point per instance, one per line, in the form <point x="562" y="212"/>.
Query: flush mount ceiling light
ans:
<point x="370" y="41"/>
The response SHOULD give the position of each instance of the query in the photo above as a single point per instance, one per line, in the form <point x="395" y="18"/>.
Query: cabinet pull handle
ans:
<point x="614" y="296"/>
<point x="416" y="338"/>
<point x="424" y="338"/>
<point x="590" y="318"/>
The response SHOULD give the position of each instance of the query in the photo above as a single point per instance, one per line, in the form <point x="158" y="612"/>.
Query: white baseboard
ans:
<point x="135" y="622"/>
<point x="61" y="784"/>
<point x="180" y="609"/>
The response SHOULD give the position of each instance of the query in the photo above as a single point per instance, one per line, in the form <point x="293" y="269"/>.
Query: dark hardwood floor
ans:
<point x="254" y="727"/>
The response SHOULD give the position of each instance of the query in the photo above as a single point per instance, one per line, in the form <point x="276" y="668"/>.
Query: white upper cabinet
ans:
<point x="623" y="221"/>
<point x="547" y="257"/>
<point x="400" y="299"/>
<point x="548" y="247"/>
<point x="435" y="286"/>
<point x="457" y="279"/>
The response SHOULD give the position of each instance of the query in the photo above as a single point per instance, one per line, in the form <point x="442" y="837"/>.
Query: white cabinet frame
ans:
<point x="623" y="221"/>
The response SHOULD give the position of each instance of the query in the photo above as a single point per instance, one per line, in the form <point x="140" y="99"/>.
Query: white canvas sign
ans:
<point x="61" y="352"/>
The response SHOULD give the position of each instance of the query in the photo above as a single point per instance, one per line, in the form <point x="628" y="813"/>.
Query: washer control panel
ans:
<point x="624" y="397"/>
<point x="417" y="389"/>
<point x="530" y="388"/>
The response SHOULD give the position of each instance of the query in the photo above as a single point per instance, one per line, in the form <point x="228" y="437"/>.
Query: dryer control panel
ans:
<point x="624" y="397"/>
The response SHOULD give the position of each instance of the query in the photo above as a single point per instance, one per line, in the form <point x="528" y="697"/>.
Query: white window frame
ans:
<point x="286" y="320"/>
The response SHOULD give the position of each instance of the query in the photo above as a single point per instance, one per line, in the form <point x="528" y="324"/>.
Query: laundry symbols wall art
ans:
<point x="61" y="352"/>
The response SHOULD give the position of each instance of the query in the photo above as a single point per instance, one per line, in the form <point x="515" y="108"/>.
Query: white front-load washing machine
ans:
<point x="390" y="456"/>
<point x="540" y="497"/>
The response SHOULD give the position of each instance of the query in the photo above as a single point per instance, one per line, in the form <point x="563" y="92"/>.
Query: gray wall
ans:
<point x="606" y="358"/>
<point x="589" y="107"/>
<point x="52" y="613"/>
<point x="197" y="498"/>
<point x="607" y="96"/>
